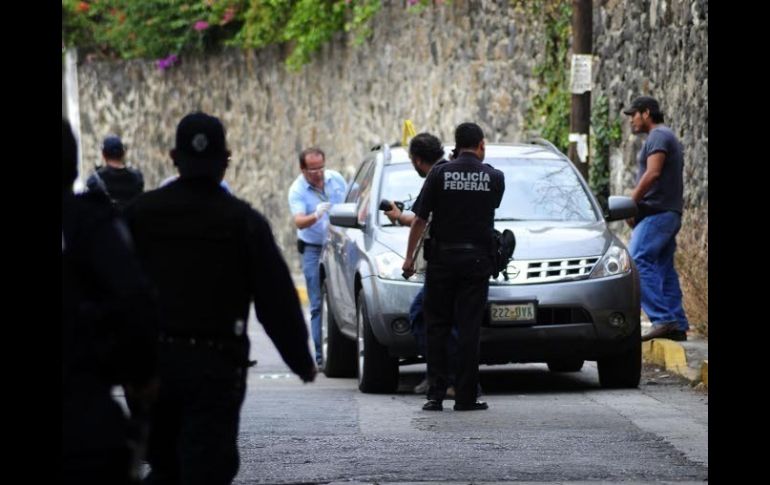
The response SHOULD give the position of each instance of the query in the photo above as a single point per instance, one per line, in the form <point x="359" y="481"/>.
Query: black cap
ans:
<point x="112" y="146"/>
<point x="643" y="103"/>
<point x="200" y="137"/>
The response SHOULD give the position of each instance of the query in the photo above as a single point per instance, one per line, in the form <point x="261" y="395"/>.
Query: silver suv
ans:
<point x="571" y="292"/>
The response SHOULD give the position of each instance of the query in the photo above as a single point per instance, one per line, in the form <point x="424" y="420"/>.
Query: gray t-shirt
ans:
<point x="666" y="192"/>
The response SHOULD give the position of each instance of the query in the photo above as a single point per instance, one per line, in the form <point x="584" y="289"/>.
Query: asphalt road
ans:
<point x="541" y="427"/>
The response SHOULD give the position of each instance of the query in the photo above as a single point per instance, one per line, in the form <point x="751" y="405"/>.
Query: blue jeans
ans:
<point x="653" y="243"/>
<point x="420" y="334"/>
<point x="310" y="261"/>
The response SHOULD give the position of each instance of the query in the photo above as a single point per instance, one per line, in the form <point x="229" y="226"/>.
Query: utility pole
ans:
<point x="580" y="83"/>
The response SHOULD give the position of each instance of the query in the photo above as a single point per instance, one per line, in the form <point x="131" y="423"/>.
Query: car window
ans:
<point x="401" y="183"/>
<point x="355" y="186"/>
<point x="361" y="190"/>
<point x="542" y="190"/>
<point x="535" y="190"/>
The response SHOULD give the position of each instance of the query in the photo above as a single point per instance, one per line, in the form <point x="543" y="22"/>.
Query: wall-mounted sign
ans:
<point x="580" y="73"/>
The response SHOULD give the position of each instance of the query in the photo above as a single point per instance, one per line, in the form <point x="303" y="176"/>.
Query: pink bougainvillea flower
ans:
<point x="228" y="15"/>
<point x="201" y="25"/>
<point x="165" y="63"/>
<point x="412" y="2"/>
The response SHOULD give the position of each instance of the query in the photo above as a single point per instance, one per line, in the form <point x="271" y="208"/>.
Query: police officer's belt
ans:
<point x="224" y="345"/>
<point x="192" y="341"/>
<point x="453" y="245"/>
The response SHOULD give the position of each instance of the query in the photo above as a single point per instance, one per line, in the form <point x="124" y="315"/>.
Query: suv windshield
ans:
<point x="535" y="190"/>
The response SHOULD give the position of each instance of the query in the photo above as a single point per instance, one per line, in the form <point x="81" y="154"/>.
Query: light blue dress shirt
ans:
<point x="303" y="199"/>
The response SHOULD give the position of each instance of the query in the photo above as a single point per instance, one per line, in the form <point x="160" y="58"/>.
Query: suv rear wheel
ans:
<point x="377" y="370"/>
<point x="338" y="353"/>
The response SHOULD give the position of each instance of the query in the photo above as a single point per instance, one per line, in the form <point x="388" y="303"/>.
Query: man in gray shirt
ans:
<point x="658" y="193"/>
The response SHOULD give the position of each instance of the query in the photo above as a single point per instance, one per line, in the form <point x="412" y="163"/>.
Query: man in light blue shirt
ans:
<point x="310" y="196"/>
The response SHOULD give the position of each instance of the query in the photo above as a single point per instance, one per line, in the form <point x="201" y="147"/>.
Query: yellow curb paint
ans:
<point x="667" y="354"/>
<point x="302" y="293"/>
<point x="704" y="373"/>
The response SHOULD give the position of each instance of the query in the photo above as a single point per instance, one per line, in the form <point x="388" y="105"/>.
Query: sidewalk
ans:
<point x="688" y="359"/>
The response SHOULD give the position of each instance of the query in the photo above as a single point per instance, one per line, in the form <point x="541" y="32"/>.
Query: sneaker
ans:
<point x="422" y="387"/>
<point x="668" y="331"/>
<point x="432" y="405"/>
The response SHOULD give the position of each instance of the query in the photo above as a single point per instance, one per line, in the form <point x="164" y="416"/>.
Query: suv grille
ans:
<point x="522" y="272"/>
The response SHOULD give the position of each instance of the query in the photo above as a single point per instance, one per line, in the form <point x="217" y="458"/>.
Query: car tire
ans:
<point x="622" y="371"/>
<point x="565" y="365"/>
<point x="338" y="354"/>
<point x="377" y="371"/>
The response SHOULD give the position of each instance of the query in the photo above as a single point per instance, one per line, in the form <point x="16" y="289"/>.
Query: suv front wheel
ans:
<point x="377" y="370"/>
<point x="622" y="370"/>
<point x="338" y="353"/>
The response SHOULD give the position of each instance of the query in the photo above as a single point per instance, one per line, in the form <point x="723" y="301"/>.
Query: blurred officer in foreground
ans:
<point x="210" y="254"/>
<point x="109" y="336"/>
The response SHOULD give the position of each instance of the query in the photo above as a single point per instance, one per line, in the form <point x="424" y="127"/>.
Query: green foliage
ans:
<point x="605" y="134"/>
<point x="549" y="112"/>
<point x="158" y="28"/>
<point x="148" y="29"/>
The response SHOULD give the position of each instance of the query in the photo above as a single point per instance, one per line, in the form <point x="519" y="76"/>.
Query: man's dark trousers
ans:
<point x="208" y="387"/>
<point x="456" y="290"/>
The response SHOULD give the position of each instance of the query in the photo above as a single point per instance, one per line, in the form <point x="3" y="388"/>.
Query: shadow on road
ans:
<point x="519" y="379"/>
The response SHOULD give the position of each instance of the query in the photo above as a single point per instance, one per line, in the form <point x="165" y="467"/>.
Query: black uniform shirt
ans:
<point x="122" y="184"/>
<point x="418" y="200"/>
<point x="462" y="195"/>
<point x="210" y="254"/>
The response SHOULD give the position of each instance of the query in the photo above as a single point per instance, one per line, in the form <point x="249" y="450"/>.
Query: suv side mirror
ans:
<point x="344" y="215"/>
<point x="620" y="207"/>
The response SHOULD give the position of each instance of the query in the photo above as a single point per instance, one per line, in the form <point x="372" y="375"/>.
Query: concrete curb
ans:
<point x="302" y="293"/>
<point x="671" y="356"/>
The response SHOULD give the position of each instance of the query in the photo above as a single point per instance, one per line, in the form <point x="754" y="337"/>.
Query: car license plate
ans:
<point x="512" y="312"/>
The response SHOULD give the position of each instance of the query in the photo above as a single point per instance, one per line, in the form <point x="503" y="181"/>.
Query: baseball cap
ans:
<point x="643" y="103"/>
<point x="113" y="146"/>
<point x="200" y="137"/>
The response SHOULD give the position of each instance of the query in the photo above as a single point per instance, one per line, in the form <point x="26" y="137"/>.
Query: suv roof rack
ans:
<point x="547" y="144"/>
<point x="385" y="148"/>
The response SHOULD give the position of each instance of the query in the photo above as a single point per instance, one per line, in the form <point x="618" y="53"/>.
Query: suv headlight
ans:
<point x="389" y="268"/>
<point x="615" y="261"/>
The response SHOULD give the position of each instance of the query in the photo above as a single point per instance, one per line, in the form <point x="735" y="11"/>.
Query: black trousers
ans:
<point x="456" y="290"/>
<point x="194" y="431"/>
<point x="94" y="440"/>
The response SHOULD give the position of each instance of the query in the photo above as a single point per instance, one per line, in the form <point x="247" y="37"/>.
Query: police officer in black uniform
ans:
<point x="120" y="183"/>
<point x="210" y="254"/>
<point x="109" y="335"/>
<point x="462" y="195"/>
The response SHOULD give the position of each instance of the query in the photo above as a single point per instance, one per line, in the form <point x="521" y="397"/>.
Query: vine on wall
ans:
<point x="167" y="29"/>
<point x="549" y="113"/>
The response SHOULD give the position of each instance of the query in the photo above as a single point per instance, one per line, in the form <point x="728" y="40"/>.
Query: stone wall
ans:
<point x="468" y="60"/>
<point x="657" y="48"/>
